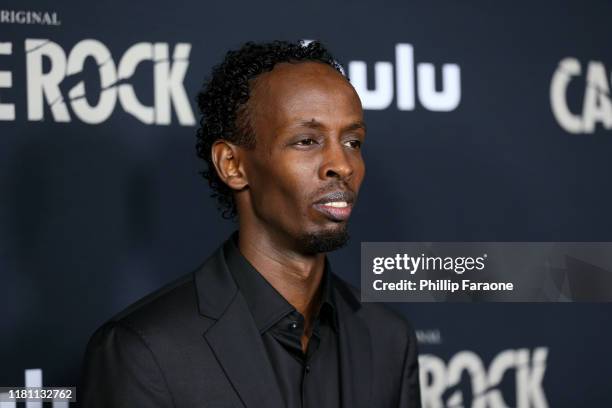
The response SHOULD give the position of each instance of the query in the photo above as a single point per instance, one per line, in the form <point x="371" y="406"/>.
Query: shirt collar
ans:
<point x="266" y="304"/>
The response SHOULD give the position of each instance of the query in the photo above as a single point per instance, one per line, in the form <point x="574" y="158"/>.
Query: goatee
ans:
<point x="325" y="241"/>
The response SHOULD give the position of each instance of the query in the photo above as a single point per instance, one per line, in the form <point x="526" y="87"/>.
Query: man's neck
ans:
<point x="295" y="276"/>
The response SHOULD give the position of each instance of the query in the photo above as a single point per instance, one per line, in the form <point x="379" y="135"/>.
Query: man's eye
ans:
<point x="306" y="142"/>
<point x="353" y="144"/>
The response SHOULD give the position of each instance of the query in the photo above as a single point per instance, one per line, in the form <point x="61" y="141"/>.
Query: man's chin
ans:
<point x="323" y="241"/>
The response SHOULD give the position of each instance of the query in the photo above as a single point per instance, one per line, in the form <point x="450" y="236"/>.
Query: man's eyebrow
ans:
<point x="315" y="124"/>
<point x="356" y="126"/>
<point x="312" y="124"/>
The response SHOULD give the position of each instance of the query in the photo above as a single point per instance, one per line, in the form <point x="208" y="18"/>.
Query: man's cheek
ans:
<point x="360" y="175"/>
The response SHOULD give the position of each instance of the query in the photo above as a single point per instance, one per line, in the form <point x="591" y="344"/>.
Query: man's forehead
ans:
<point x="301" y="69"/>
<point x="307" y="92"/>
<point x="290" y="79"/>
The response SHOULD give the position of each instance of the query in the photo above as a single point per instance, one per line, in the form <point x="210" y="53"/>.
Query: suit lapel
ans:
<point x="355" y="352"/>
<point x="237" y="344"/>
<point x="234" y="338"/>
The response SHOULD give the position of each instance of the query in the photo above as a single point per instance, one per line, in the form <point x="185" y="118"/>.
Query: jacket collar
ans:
<point x="265" y="303"/>
<point x="236" y="341"/>
<point x="215" y="285"/>
<point x="233" y="337"/>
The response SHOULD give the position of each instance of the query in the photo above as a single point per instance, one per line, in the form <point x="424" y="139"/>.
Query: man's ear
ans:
<point x="227" y="160"/>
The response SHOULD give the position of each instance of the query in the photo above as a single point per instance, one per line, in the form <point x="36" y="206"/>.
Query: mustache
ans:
<point x="335" y="193"/>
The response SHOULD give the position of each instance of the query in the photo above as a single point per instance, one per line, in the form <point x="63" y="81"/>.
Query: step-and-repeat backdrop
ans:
<point x="488" y="121"/>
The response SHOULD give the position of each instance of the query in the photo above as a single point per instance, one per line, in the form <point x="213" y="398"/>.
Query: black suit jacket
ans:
<point x="194" y="344"/>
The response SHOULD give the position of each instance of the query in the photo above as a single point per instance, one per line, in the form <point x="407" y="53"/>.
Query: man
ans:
<point x="264" y="322"/>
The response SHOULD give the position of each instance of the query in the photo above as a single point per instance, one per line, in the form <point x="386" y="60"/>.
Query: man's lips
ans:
<point x="336" y="205"/>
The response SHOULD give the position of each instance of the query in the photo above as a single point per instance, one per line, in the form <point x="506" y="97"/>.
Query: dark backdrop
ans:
<point x="93" y="216"/>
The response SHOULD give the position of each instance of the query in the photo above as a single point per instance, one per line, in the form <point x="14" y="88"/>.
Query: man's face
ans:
<point x="306" y="168"/>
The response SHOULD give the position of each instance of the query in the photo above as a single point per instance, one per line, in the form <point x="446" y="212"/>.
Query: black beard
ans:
<point x="326" y="241"/>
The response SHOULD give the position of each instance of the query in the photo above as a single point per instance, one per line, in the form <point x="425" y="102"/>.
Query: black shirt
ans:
<point x="306" y="380"/>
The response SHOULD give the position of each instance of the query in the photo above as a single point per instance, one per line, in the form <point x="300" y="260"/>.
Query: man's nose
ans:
<point x="336" y="162"/>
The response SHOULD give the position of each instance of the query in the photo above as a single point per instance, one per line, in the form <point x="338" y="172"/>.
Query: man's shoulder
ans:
<point x="390" y="332"/>
<point x="169" y="301"/>
<point x="176" y="308"/>
<point x="162" y="312"/>
<point x="152" y="316"/>
<point x="146" y="327"/>
<point x="375" y="315"/>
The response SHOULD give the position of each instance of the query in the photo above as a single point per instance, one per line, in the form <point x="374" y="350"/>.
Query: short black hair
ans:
<point x="222" y="101"/>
